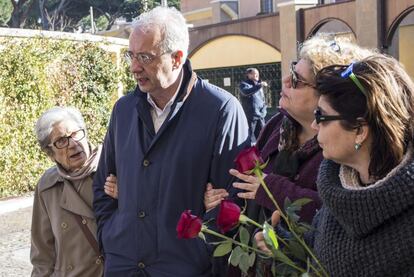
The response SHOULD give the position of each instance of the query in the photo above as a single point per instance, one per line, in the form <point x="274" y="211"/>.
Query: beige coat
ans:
<point x="59" y="247"/>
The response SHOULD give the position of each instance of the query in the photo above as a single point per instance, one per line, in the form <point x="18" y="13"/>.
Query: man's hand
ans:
<point x="213" y="197"/>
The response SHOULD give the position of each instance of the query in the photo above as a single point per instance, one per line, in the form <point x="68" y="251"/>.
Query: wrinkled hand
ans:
<point x="111" y="186"/>
<point x="213" y="197"/>
<point x="260" y="241"/>
<point x="251" y="185"/>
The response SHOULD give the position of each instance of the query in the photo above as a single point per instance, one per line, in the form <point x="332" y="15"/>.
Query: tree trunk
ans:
<point x="45" y="21"/>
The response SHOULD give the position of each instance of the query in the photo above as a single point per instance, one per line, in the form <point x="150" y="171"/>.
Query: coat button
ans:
<point x="98" y="261"/>
<point x="141" y="214"/>
<point x="146" y="163"/>
<point x="69" y="267"/>
<point x="64" y="225"/>
<point x="84" y="221"/>
<point x="141" y="265"/>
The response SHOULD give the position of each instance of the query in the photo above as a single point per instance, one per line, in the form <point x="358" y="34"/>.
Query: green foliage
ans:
<point x="37" y="74"/>
<point x="6" y="9"/>
<point x="76" y="13"/>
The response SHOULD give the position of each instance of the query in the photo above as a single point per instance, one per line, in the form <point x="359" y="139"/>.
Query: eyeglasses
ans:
<point x="142" y="58"/>
<point x="295" y="79"/>
<point x="349" y="73"/>
<point x="63" y="142"/>
<point x="319" y="117"/>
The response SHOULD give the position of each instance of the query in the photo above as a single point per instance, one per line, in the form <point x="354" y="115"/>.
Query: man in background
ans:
<point x="253" y="101"/>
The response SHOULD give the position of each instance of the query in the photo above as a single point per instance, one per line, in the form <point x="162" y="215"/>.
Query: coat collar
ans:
<point x="143" y="107"/>
<point x="70" y="200"/>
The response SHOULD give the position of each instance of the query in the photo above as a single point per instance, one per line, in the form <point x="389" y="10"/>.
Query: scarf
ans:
<point x="291" y="155"/>
<point x="87" y="169"/>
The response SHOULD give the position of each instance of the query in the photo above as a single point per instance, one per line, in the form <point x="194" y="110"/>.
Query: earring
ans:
<point x="357" y="146"/>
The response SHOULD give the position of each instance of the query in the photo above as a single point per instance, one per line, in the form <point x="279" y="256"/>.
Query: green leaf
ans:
<point x="297" y="250"/>
<point x="273" y="269"/>
<point x="202" y="236"/>
<point x="235" y="256"/>
<point x="301" y="202"/>
<point x="287" y="203"/>
<point x="280" y="256"/>
<point x="270" y="236"/>
<point x="244" y="262"/>
<point x="252" y="259"/>
<point x="223" y="249"/>
<point x="244" y="235"/>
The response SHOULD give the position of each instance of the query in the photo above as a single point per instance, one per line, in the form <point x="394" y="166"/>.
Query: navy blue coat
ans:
<point x="161" y="175"/>
<point x="252" y="99"/>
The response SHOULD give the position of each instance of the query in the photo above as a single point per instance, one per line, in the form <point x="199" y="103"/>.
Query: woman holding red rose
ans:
<point x="287" y="141"/>
<point x="365" y="124"/>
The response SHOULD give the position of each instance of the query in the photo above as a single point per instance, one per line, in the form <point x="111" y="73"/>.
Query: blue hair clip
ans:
<point x="349" y="73"/>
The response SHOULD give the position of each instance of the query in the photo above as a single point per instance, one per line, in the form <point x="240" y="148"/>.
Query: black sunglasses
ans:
<point x="295" y="79"/>
<point x="319" y="117"/>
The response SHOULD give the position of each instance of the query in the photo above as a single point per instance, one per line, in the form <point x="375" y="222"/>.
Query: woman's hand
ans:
<point x="111" y="186"/>
<point x="259" y="237"/>
<point x="251" y="185"/>
<point x="213" y="197"/>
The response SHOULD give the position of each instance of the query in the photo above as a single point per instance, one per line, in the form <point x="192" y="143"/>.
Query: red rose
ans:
<point x="228" y="215"/>
<point x="247" y="159"/>
<point x="188" y="226"/>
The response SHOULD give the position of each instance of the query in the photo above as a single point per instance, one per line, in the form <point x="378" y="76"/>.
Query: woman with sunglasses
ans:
<point x="63" y="224"/>
<point x="287" y="141"/>
<point x="365" y="124"/>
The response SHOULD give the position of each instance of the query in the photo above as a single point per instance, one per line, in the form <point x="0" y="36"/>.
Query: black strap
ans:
<point x="91" y="239"/>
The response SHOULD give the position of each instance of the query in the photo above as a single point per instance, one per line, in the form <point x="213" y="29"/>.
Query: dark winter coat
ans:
<point x="162" y="174"/>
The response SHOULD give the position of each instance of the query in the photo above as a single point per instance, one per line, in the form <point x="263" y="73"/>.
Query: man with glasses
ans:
<point x="166" y="140"/>
<point x="253" y="101"/>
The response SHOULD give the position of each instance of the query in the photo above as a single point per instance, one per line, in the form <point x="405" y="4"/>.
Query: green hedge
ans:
<point x="37" y="74"/>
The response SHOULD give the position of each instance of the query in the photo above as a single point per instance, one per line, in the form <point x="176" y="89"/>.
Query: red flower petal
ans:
<point x="188" y="226"/>
<point x="228" y="215"/>
<point x="247" y="159"/>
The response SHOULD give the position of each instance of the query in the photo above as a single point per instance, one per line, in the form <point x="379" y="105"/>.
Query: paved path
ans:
<point x="15" y="221"/>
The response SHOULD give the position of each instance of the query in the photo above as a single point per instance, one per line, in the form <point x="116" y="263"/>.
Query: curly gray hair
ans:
<point x="49" y="118"/>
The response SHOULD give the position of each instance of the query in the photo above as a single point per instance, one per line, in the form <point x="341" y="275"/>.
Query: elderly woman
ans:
<point x="63" y="223"/>
<point x="288" y="142"/>
<point x="365" y="124"/>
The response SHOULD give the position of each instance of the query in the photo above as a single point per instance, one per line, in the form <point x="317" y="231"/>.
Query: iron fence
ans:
<point x="229" y="79"/>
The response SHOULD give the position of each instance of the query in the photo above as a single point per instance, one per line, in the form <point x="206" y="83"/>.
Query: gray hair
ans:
<point x="325" y="49"/>
<point x="172" y="25"/>
<point x="49" y="118"/>
<point x="252" y="69"/>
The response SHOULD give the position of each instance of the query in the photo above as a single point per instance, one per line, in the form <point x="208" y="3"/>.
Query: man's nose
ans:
<point x="135" y="66"/>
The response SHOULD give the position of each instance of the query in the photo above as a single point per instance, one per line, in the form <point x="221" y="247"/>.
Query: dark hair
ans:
<point x="386" y="105"/>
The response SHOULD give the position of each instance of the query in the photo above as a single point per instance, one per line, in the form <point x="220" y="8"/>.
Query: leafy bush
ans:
<point x="37" y="74"/>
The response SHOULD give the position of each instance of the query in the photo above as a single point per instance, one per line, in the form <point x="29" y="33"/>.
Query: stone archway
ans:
<point x="332" y="25"/>
<point x="233" y="50"/>
<point x="399" y="39"/>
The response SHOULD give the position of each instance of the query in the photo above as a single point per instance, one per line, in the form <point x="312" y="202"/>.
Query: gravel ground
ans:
<point x="15" y="243"/>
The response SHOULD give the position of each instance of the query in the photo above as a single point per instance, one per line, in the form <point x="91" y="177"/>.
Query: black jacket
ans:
<point x="252" y="99"/>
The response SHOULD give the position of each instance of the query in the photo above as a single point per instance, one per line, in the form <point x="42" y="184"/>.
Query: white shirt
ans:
<point x="158" y="116"/>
